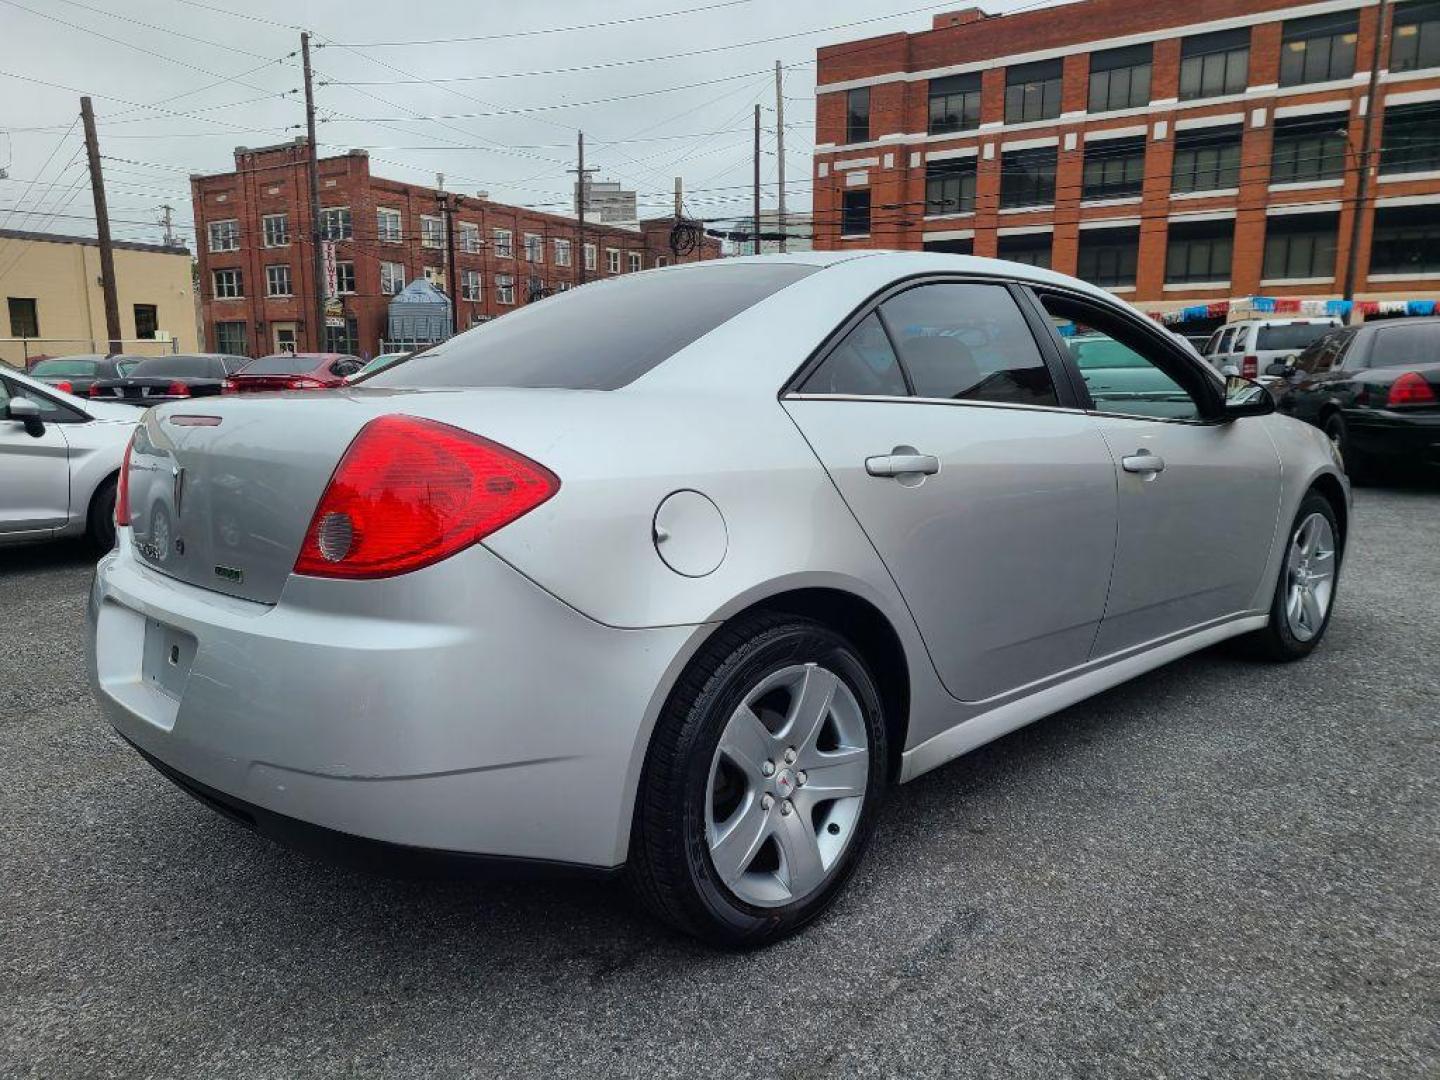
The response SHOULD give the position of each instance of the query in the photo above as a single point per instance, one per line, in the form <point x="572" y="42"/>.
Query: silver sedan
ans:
<point x="674" y="574"/>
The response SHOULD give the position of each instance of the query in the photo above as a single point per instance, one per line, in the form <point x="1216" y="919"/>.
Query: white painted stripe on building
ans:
<point x="1185" y="123"/>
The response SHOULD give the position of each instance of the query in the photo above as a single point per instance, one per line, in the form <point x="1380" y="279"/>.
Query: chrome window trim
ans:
<point x="892" y="399"/>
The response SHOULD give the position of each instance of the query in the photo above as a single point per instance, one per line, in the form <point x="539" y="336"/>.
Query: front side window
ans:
<point x="1032" y="249"/>
<point x="276" y="229"/>
<point x="335" y="223"/>
<point x="1318" y="49"/>
<point x="229" y="284"/>
<point x="1027" y="177"/>
<point x="1406" y="241"/>
<point x="224" y="236"/>
<point x="966" y="342"/>
<point x="1120" y="78"/>
<point x="1207" y="159"/>
<point x="277" y="280"/>
<point x="862" y="364"/>
<point x="1199" y="251"/>
<point x="1300" y="246"/>
<point x="857" y="115"/>
<point x="950" y="186"/>
<point x="24" y="317"/>
<point x="432" y="232"/>
<point x="1410" y="140"/>
<point x="1415" y="38"/>
<point x="504" y="244"/>
<point x="1308" y="149"/>
<point x="392" y="278"/>
<point x="954" y="104"/>
<point x="344" y="278"/>
<point x="469" y="238"/>
<point x="1032" y="91"/>
<point x="1215" y="64"/>
<point x="855" y="213"/>
<point x="1108" y="257"/>
<point x="1114" y="168"/>
<point x="387" y="225"/>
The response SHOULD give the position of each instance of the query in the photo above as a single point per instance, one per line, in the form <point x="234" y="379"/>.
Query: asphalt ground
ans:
<point x="1220" y="869"/>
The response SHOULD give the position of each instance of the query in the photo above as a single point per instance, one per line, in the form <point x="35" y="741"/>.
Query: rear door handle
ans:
<point x="902" y="465"/>
<point x="1144" y="462"/>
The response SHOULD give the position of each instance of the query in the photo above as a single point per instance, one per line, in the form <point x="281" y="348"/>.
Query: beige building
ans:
<point x="55" y="306"/>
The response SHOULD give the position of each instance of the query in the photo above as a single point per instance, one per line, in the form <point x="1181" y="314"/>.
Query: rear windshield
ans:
<point x="600" y="336"/>
<point x="64" y="367"/>
<point x="1291" y="335"/>
<point x="172" y="367"/>
<point x="280" y="364"/>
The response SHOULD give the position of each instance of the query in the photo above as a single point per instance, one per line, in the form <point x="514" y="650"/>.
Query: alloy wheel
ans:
<point x="1310" y="567"/>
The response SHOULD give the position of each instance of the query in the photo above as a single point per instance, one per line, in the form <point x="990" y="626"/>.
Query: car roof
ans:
<point x="1412" y="320"/>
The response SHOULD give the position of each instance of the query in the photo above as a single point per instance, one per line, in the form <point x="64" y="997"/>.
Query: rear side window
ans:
<point x="863" y="363"/>
<point x="177" y="367"/>
<point x="968" y="342"/>
<point x="1291" y="335"/>
<point x="600" y="336"/>
<point x="1405" y="346"/>
<point x="56" y="368"/>
<point x="279" y="364"/>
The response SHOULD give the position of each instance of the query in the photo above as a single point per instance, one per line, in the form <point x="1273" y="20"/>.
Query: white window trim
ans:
<point x="1267" y="282"/>
<point x="210" y="236"/>
<point x="429" y="223"/>
<point x="1400" y="178"/>
<point x="399" y="218"/>
<point x="612" y="265"/>
<point x="387" y="263"/>
<point x="215" y="283"/>
<point x="1302" y="185"/>
<point x="504" y="248"/>
<point x="1196" y="286"/>
<point x="591" y="256"/>
<point x="354" y="277"/>
<point x="265" y="232"/>
<point x="289" y="279"/>
<point x="324" y="210"/>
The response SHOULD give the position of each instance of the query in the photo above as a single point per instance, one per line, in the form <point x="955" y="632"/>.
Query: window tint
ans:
<point x="1118" y="363"/>
<point x="56" y="368"/>
<point x="194" y="367"/>
<point x="1320" y="355"/>
<point x="863" y="363"/>
<point x="1402" y="346"/>
<point x="969" y="342"/>
<point x="51" y="411"/>
<point x="1291" y="335"/>
<point x="600" y="336"/>
<point x="280" y="364"/>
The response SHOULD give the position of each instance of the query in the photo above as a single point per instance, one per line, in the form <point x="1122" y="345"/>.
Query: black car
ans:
<point x="76" y="374"/>
<point x="1374" y="389"/>
<point x="170" y="378"/>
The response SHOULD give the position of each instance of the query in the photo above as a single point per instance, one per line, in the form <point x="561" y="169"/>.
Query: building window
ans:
<point x="1415" y="40"/>
<point x="470" y="285"/>
<point x="1207" y="159"/>
<point x="277" y="280"/>
<point x="634" y="258"/>
<point x="224" y="236"/>
<point x="505" y="289"/>
<point x="855" y="213"/>
<point x="344" y="278"/>
<point x="469" y="238"/>
<point x="1308" y="148"/>
<point x="1114" y="168"/>
<point x="1406" y="241"/>
<point x="436" y="276"/>
<point x="504" y="244"/>
<point x="950" y="186"/>
<point x="955" y="103"/>
<point x="230" y="338"/>
<point x="1032" y="91"/>
<point x="1318" y="49"/>
<point x="612" y="260"/>
<point x="1199" y="251"/>
<point x="1214" y="64"/>
<point x="1027" y="177"/>
<point x="661" y="260"/>
<point x="534" y="248"/>
<point x="1032" y="249"/>
<point x="147" y="321"/>
<point x="276" y="229"/>
<point x="1300" y="246"/>
<point x="432" y="232"/>
<point x="24" y="317"/>
<point x="535" y="289"/>
<point x="1120" y="78"/>
<point x="388" y="225"/>
<point x="1410" y="141"/>
<point x="562" y="252"/>
<point x="343" y="339"/>
<point x="335" y="223"/>
<point x="392" y="278"/>
<point x="1108" y="257"/>
<point x="229" y="284"/>
<point x="857" y="115"/>
<point x="590" y="256"/>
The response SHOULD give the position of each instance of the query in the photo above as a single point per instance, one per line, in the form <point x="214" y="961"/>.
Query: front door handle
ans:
<point x="899" y="464"/>
<point x="1143" y="462"/>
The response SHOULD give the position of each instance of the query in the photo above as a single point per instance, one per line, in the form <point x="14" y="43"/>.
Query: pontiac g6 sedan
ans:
<point x="676" y="573"/>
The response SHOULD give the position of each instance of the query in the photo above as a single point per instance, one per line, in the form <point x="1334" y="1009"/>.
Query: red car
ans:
<point x="294" y="371"/>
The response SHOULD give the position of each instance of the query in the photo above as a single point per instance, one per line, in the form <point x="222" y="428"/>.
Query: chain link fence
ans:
<point x="22" y="352"/>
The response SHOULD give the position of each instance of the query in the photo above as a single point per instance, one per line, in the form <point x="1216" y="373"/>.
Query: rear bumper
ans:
<point x="459" y="709"/>
<point x="1411" y="438"/>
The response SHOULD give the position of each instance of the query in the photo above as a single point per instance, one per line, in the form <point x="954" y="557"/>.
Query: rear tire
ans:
<point x="796" y="787"/>
<point x="1304" y="599"/>
<point x="100" y="526"/>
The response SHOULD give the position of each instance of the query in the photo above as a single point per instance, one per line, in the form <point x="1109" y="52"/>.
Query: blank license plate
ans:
<point x="168" y="655"/>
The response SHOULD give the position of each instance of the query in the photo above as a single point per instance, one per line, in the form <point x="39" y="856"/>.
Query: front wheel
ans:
<point x="764" y="775"/>
<point x="1305" y="594"/>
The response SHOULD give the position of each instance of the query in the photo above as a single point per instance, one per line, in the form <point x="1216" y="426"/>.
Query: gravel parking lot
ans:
<point x="1221" y="869"/>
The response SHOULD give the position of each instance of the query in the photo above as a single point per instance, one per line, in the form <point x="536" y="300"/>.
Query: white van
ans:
<point x="1251" y="345"/>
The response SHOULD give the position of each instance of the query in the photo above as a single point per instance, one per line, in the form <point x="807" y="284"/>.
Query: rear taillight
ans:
<point x="229" y="386"/>
<point x="122" y="489"/>
<point x="410" y="492"/>
<point x="177" y="389"/>
<point x="1410" y="389"/>
<point x="66" y="386"/>
<point x="1250" y="367"/>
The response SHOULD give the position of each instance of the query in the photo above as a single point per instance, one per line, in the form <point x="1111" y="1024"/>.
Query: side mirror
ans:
<point x="24" y="411"/>
<point x="1246" y="397"/>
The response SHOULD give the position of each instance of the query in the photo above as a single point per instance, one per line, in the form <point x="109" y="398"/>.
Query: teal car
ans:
<point x="1114" y="373"/>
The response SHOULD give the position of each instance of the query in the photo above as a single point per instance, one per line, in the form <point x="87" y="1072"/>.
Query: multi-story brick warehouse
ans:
<point x="1178" y="154"/>
<point x="257" y="284"/>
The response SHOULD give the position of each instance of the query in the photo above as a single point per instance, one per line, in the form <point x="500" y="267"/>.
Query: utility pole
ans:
<point x="312" y="165"/>
<point x="1362" y="187"/>
<point x="780" y="152"/>
<point x="679" y="200"/>
<point x="102" y="228"/>
<point x="580" y="193"/>
<point x="757" y="180"/>
<point x="165" y="220"/>
<point x="448" y="205"/>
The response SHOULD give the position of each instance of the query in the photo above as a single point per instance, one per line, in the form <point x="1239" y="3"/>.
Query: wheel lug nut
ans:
<point x="786" y="808"/>
<point x="790" y="756"/>
<point x="766" y="802"/>
<point x="800" y="778"/>
<point x="768" y="768"/>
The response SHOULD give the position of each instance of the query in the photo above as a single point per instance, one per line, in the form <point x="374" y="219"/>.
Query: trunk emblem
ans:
<point x="231" y="574"/>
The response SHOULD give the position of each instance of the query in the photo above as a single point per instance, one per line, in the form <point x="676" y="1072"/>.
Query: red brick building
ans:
<point x="1179" y="154"/>
<point x="256" y="271"/>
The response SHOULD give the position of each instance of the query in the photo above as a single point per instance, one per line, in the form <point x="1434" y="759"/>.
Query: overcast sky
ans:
<point x="216" y="76"/>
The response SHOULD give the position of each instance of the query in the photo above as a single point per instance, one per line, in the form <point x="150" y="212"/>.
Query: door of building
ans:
<point x="283" y="334"/>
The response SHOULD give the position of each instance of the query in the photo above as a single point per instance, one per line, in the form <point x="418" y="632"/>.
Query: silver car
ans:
<point x="59" y="462"/>
<point x="676" y="573"/>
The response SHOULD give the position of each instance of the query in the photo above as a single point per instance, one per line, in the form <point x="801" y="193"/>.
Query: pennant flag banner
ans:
<point x="1290" y="305"/>
<point x="1337" y="307"/>
<point x="1262" y="303"/>
<point x="1421" y="307"/>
